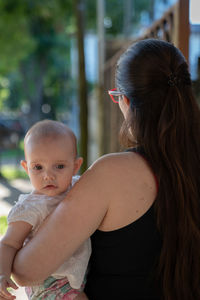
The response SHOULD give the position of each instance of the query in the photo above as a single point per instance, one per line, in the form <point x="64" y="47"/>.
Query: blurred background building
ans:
<point x="58" y="58"/>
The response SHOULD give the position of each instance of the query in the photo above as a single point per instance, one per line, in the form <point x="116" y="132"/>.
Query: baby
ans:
<point x="51" y="162"/>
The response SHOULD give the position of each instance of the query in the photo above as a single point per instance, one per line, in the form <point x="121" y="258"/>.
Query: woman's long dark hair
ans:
<point x="165" y="120"/>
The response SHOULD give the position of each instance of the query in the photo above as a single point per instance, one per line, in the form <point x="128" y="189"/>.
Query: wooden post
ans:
<point x="101" y="61"/>
<point x="183" y="27"/>
<point x="82" y="84"/>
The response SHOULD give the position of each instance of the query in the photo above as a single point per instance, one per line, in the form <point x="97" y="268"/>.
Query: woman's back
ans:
<point x="124" y="258"/>
<point x="124" y="262"/>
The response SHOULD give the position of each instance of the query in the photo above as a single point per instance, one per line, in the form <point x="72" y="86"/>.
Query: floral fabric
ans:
<point x="53" y="289"/>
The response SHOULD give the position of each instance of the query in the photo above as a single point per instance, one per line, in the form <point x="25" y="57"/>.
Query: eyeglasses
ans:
<point x="115" y="95"/>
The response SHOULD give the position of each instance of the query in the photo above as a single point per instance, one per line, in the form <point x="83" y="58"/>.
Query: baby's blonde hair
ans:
<point x="50" y="129"/>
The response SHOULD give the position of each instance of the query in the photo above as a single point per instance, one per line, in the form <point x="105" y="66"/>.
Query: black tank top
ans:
<point x="124" y="261"/>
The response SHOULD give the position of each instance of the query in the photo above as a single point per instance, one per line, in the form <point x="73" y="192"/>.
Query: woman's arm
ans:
<point x="71" y="223"/>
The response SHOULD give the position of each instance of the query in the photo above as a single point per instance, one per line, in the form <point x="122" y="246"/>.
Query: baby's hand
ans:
<point x="6" y="282"/>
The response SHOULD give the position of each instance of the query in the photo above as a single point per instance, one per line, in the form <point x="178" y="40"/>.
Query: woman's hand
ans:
<point x="5" y="283"/>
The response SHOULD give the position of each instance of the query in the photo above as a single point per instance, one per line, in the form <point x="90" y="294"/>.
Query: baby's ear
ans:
<point x="77" y="164"/>
<point x="24" y="165"/>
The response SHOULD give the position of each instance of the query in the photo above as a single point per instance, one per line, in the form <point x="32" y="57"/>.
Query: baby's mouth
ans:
<point x="50" y="186"/>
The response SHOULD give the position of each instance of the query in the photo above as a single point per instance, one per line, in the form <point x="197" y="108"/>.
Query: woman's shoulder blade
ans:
<point x="114" y="161"/>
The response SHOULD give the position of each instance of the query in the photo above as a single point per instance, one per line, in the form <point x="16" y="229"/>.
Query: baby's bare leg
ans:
<point x="81" y="296"/>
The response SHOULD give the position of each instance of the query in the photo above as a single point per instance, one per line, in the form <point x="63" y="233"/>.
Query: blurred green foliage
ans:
<point x="35" y="55"/>
<point x="36" y="44"/>
<point x="3" y="225"/>
<point x="115" y="11"/>
<point x="13" y="172"/>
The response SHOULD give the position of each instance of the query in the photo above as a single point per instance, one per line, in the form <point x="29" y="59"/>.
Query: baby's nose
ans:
<point x="49" y="175"/>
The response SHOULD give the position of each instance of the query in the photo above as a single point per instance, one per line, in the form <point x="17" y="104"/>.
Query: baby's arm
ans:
<point x="9" y="245"/>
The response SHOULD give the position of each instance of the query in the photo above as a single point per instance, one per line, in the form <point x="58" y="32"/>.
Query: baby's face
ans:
<point x="50" y="164"/>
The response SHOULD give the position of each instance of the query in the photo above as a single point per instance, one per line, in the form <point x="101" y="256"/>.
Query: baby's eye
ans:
<point x="60" y="166"/>
<point x="37" y="167"/>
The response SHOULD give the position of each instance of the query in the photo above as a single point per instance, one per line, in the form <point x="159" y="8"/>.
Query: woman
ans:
<point x="141" y="207"/>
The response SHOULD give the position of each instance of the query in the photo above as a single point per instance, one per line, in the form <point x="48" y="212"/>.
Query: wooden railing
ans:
<point x="173" y="26"/>
<point x="164" y="27"/>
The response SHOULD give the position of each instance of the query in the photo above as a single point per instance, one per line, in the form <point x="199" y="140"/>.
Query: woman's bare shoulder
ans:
<point x="124" y="171"/>
<point x="126" y="178"/>
<point x="114" y="161"/>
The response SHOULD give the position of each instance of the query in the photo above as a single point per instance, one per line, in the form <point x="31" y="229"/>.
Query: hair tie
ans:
<point x="173" y="80"/>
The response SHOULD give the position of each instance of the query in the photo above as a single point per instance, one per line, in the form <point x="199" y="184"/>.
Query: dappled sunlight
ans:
<point x="4" y="191"/>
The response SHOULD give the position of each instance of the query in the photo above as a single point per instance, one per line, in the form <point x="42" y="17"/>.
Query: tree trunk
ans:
<point x="82" y="88"/>
<point x="33" y="72"/>
<point x="100" y="89"/>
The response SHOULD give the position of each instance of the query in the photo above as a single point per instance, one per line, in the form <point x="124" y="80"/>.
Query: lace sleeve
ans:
<point x="27" y="210"/>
